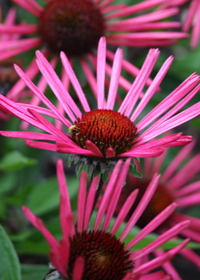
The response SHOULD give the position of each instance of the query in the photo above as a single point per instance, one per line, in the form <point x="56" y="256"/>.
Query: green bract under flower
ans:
<point x="74" y="27"/>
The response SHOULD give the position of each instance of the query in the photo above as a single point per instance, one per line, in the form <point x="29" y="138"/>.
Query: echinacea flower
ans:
<point x="104" y="135"/>
<point x="75" y="27"/>
<point x="175" y="186"/>
<point x="88" y="251"/>
<point x="192" y="19"/>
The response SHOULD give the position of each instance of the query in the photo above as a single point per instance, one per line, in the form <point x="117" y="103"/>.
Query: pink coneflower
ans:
<point x="175" y="186"/>
<point x="105" y="133"/>
<point x="75" y="27"/>
<point x="192" y="19"/>
<point x="90" y="250"/>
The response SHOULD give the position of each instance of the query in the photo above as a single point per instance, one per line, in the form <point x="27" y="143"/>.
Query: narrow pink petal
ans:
<point x="78" y="268"/>
<point x="19" y="29"/>
<point x="14" y="109"/>
<point x="143" y="153"/>
<point x="93" y="148"/>
<point x="74" y="82"/>
<point x="90" y="76"/>
<point x="22" y="47"/>
<point x="158" y="162"/>
<point x="65" y="205"/>
<point x="194" y="222"/>
<point x="152" y="88"/>
<point x="174" y="110"/>
<point x="188" y="189"/>
<point x="176" y="161"/>
<point x="57" y="86"/>
<point x="40" y="95"/>
<point x="141" y="206"/>
<point x="191" y="256"/>
<point x="73" y="150"/>
<point x="144" y="26"/>
<point x="116" y="194"/>
<point x="51" y="127"/>
<point x="185" y="174"/>
<point x="41" y="227"/>
<point x="150" y="227"/>
<point x="41" y="145"/>
<point x="139" y="7"/>
<point x="31" y="72"/>
<point x="175" y="121"/>
<point x="63" y="257"/>
<point x="168" y="267"/>
<point x="126" y="65"/>
<point x="124" y="211"/>
<point x="15" y="44"/>
<point x="163" y="238"/>
<point x="192" y="234"/>
<point x="158" y="142"/>
<point x="120" y="41"/>
<point x="108" y="192"/>
<point x="188" y="21"/>
<point x="190" y="200"/>
<point x="145" y="268"/>
<point x="29" y="135"/>
<point x="110" y="153"/>
<point x="144" y="18"/>
<point x="116" y="71"/>
<point x="139" y="82"/>
<point x="113" y="8"/>
<point x="81" y="201"/>
<point x="28" y="6"/>
<point x="196" y="28"/>
<point x="90" y="201"/>
<point x="101" y="61"/>
<point x="183" y="140"/>
<point x="57" y="262"/>
<point x="169" y="101"/>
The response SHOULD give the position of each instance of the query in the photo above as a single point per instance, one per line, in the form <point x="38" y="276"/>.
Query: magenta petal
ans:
<point x="110" y="153"/>
<point x="93" y="148"/>
<point x="41" y="145"/>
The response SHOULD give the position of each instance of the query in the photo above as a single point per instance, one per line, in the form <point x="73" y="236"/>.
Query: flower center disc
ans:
<point x="105" y="128"/>
<point x="104" y="256"/>
<point x="74" y="27"/>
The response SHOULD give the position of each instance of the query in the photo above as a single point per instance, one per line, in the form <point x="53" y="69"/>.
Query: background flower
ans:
<point x="78" y="33"/>
<point x="104" y="255"/>
<point x="175" y="186"/>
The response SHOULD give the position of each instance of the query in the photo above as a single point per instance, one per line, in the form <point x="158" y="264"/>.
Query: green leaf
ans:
<point x="45" y="197"/>
<point x="10" y="267"/>
<point x="28" y="247"/>
<point x="7" y="182"/>
<point x="134" y="172"/>
<point x="34" y="272"/>
<point x="14" y="161"/>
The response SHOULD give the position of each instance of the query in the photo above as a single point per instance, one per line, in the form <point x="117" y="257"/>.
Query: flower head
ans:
<point x="75" y="27"/>
<point x="105" y="134"/>
<point x="175" y="186"/>
<point x="94" y="251"/>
